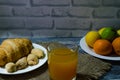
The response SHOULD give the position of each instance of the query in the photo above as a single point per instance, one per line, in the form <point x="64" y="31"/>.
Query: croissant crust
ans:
<point x="13" y="49"/>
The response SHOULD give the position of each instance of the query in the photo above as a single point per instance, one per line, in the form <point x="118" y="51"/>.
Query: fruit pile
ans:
<point x="105" y="41"/>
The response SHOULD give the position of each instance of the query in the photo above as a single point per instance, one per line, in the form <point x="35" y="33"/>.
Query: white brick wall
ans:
<point x="56" y="18"/>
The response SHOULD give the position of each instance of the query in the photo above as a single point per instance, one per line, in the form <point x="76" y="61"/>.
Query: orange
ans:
<point x="102" y="47"/>
<point x="116" y="45"/>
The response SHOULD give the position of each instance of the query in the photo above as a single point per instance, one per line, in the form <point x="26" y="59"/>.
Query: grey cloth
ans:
<point x="89" y="67"/>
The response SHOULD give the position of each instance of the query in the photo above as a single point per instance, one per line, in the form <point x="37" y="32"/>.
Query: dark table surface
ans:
<point x="42" y="72"/>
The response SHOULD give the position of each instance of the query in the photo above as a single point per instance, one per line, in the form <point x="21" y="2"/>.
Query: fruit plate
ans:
<point x="90" y="51"/>
<point x="29" y="68"/>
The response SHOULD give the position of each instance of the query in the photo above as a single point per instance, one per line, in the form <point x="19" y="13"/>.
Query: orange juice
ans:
<point x="62" y="63"/>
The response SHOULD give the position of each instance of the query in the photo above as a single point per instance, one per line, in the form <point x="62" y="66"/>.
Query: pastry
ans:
<point x="13" y="49"/>
<point x="22" y="63"/>
<point x="32" y="59"/>
<point x="38" y="52"/>
<point x="10" y="67"/>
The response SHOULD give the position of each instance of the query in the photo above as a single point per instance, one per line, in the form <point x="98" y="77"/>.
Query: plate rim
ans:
<point x="90" y="51"/>
<point x="30" y="68"/>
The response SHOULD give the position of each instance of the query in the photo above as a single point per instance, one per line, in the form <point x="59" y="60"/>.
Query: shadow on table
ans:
<point x="36" y="74"/>
<point x="84" y="77"/>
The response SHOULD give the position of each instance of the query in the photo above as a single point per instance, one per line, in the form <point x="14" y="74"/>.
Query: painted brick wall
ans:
<point x="56" y="18"/>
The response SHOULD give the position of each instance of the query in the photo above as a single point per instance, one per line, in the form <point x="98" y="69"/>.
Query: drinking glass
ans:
<point x="62" y="62"/>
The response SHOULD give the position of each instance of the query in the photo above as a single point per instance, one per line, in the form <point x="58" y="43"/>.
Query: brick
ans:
<point x="60" y="11"/>
<point x="111" y="2"/>
<point x="32" y="11"/>
<point x="63" y="33"/>
<point x="13" y="2"/>
<point x="105" y="12"/>
<point x="83" y="12"/>
<point x="39" y="23"/>
<point x="19" y="33"/>
<point x="51" y="2"/>
<point x="98" y="23"/>
<point x="87" y="2"/>
<point x="11" y="23"/>
<point x="118" y="14"/>
<point x="43" y="33"/>
<point x="3" y="34"/>
<point x="5" y="11"/>
<point x="79" y="33"/>
<point x="72" y="12"/>
<point x="72" y="23"/>
<point x="50" y="33"/>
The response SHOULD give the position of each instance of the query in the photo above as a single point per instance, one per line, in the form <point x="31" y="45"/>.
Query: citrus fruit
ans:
<point x="101" y="30"/>
<point x="102" y="47"/>
<point x="91" y="37"/>
<point x="108" y="33"/>
<point x="118" y="32"/>
<point x="116" y="45"/>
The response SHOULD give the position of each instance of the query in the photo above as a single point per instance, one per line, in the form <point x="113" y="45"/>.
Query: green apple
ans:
<point x="108" y="33"/>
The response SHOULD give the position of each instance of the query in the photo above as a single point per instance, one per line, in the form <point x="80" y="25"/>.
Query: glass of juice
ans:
<point x="62" y="62"/>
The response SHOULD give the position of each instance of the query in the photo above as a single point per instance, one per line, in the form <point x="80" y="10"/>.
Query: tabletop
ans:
<point x="41" y="73"/>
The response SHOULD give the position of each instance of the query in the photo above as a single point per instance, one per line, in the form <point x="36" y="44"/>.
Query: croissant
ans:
<point x="13" y="49"/>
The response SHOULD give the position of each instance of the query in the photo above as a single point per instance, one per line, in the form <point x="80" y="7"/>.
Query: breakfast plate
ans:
<point x="90" y="51"/>
<point x="29" y="68"/>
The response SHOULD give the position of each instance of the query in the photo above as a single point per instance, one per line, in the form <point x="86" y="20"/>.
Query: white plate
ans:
<point x="90" y="51"/>
<point x="29" y="68"/>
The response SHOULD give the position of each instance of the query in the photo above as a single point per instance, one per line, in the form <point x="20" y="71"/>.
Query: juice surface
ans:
<point x="62" y="64"/>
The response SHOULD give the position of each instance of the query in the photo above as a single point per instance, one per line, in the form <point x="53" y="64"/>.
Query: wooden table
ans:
<point x="42" y="72"/>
